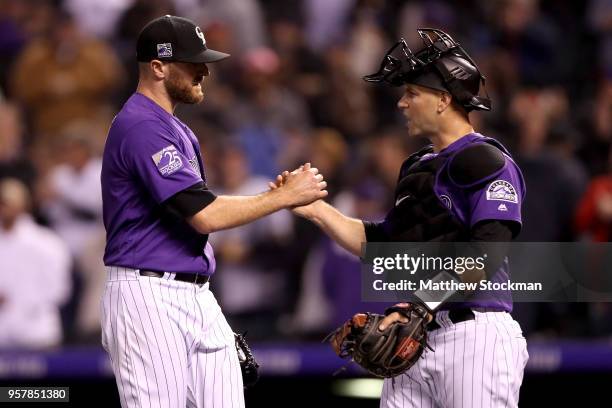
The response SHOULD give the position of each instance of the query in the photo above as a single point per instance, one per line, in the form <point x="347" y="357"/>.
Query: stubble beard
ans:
<point x="182" y="91"/>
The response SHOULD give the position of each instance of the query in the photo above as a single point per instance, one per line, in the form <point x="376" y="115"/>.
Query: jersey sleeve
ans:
<point x="186" y="203"/>
<point x="151" y="152"/>
<point x="500" y="198"/>
<point x="375" y="231"/>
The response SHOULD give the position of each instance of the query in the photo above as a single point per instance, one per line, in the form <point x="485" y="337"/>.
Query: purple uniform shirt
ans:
<point x="149" y="156"/>
<point x="499" y="198"/>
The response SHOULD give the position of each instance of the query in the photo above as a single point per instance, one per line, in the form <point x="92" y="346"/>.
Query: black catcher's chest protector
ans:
<point x="419" y="215"/>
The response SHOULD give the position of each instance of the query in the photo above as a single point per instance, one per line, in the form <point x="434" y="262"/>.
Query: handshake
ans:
<point x="299" y="188"/>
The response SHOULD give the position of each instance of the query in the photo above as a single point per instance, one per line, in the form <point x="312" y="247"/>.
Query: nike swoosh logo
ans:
<point x="399" y="200"/>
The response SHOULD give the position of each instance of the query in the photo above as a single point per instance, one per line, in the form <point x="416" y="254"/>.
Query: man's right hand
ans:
<point x="302" y="186"/>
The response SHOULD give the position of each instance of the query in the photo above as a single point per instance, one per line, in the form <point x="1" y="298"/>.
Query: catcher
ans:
<point x="464" y="187"/>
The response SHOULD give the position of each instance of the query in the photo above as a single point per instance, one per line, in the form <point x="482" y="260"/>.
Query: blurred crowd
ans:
<point x="292" y="92"/>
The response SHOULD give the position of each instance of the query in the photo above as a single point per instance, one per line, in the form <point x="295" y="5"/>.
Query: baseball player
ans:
<point x="168" y="341"/>
<point x="464" y="187"/>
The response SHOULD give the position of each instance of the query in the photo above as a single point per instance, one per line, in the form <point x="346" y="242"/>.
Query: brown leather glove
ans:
<point x="387" y="353"/>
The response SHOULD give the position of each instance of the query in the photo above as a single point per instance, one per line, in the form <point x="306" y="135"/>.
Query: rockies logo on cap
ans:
<point x="200" y="34"/>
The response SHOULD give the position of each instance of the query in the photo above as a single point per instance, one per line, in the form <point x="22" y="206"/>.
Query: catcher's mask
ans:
<point x="441" y="64"/>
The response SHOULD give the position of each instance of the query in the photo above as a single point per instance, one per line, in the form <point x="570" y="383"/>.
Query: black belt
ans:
<point x="455" y="316"/>
<point x="196" y="278"/>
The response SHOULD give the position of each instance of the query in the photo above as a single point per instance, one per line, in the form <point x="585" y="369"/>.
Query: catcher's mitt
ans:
<point x="248" y="365"/>
<point x="386" y="353"/>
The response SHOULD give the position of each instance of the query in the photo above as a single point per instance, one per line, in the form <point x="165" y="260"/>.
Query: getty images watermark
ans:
<point x="422" y="265"/>
<point x="522" y="272"/>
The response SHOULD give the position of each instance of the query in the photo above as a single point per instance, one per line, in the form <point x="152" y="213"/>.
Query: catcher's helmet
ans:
<point x="441" y="64"/>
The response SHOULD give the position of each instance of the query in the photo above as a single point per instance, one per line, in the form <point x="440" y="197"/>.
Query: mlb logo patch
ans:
<point x="167" y="160"/>
<point x="501" y="190"/>
<point x="164" y="50"/>
<point x="194" y="163"/>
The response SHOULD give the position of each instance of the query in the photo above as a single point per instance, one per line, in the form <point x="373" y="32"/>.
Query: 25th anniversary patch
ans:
<point x="167" y="160"/>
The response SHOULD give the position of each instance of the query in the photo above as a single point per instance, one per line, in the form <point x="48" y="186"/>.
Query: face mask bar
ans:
<point x="397" y="62"/>
<point x="444" y="43"/>
<point x="400" y="63"/>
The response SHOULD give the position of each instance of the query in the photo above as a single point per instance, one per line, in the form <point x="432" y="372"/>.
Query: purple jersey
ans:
<point x="149" y="156"/>
<point x="440" y="197"/>
<point x="499" y="197"/>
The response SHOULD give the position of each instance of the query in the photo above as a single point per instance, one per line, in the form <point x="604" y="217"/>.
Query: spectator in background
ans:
<point x="71" y="200"/>
<point x="331" y="282"/>
<point x="13" y="162"/>
<point x="252" y="287"/>
<point x="603" y="110"/>
<point x="97" y="18"/>
<point x="600" y="20"/>
<point x="598" y="140"/>
<point x="328" y="148"/>
<point x="264" y="112"/>
<point x="65" y="76"/>
<point x="554" y="180"/>
<point x="433" y="13"/>
<point x="135" y="17"/>
<point x="128" y="26"/>
<point x="594" y="222"/>
<point x="594" y="215"/>
<point x="12" y="34"/>
<point x="522" y="45"/>
<point x="326" y="22"/>
<point x="301" y="69"/>
<point x="386" y="152"/>
<point x="244" y="16"/>
<point x="20" y="22"/>
<point x="331" y="153"/>
<point x="345" y="104"/>
<point x="340" y="269"/>
<point x="35" y="274"/>
<point x="528" y="43"/>
<point x="366" y="42"/>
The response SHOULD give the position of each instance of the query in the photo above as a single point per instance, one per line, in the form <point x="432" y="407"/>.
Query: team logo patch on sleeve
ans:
<point x="501" y="190"/>
<point x="167" y="160"/>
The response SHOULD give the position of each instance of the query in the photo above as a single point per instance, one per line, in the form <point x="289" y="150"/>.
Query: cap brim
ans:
<point x="207" y="56"/>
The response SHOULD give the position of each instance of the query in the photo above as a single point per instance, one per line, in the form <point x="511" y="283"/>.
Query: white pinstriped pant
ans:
<point x="169" y="343"/>
<point x="476" y="364"/>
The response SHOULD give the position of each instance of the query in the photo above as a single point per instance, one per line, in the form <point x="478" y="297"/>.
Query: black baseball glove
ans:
<point x="248" y="365"/>
<point x="386" y="353"/>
